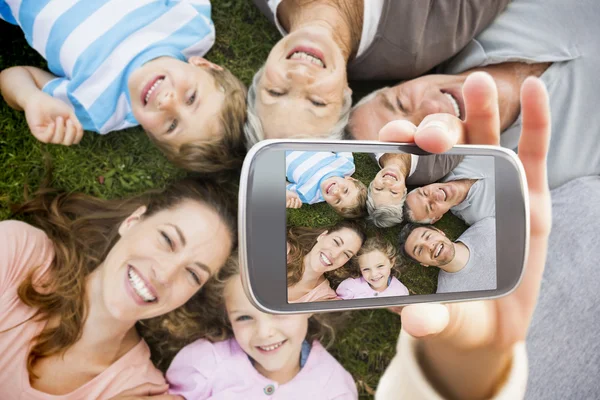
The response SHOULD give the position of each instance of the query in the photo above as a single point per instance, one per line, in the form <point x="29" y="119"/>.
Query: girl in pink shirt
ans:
<point x="72" y="292"/>
<point x="314" y="254"/>
<point x="376" y="265"/>
<point x="269" y="357"/>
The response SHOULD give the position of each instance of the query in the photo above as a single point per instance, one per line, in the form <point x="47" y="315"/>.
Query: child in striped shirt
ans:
<point x="314" y="177"/>
<point x="116" y="64"/>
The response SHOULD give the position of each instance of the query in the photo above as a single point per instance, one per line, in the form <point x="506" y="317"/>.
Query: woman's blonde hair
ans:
<point x="83" y="229"/>
<point x="301" y="241"/>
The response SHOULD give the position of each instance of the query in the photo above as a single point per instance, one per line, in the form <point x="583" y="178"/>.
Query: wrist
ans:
<point x="459" y="373"/>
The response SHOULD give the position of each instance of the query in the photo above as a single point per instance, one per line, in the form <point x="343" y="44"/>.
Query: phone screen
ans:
<point x="362" y="225"/>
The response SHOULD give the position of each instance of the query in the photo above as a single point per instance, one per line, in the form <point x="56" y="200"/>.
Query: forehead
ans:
<point x="348" y="235"/>
<point x="373" y="256"/>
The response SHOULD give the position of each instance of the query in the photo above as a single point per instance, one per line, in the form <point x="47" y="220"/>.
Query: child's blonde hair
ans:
<point x="373" y="243"/>
<point x="359" y="209"/>
<point x="321" y="327"/>
<point x="225" y="150"/>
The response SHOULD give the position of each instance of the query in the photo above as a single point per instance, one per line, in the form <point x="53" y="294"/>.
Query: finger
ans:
<point x="78" y="130"/>
<point x="481" y="109"/>
<point x="59" y="131"/>
<point x="46" y="136"/>
<point x="396" y="309"/>
<point x="399" y="131"/>
<point x="298" y="203"/>
<point x="437" y="133"/>
<point x="69" y="133"/>
<point x="146" y="389"/>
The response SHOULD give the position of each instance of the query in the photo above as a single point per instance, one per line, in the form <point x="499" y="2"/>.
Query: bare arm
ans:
<point x="18" y="84"/>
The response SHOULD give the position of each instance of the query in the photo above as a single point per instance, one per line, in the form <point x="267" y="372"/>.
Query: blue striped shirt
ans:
<point x="305" y="170"/>
<point x="94" y="45"/>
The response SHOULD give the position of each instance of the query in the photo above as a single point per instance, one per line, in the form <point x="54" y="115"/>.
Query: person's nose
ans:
<point x="167" y="101"/>
<point x="300" y="74"/>
<point x="265" y="327"/>
<point x="165" y="271"/>
<point x="425" y="108"/>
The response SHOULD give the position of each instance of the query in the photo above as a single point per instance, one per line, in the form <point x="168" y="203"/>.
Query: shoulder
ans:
<point x="398" y="286"/>
<point x="332" y="375"/>
<point x="23" y="247"/>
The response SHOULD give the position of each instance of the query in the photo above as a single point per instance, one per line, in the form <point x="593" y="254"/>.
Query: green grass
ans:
<point x="126" y="163"/>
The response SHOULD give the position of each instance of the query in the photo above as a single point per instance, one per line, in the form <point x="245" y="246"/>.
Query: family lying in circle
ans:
<point x="370" y="267"/>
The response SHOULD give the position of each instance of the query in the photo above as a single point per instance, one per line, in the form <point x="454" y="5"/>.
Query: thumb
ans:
<point x="421" y="320"/>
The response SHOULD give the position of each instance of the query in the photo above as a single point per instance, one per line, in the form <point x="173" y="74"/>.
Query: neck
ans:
<point x="283" y="375"/>
<point x="104" y="339"/>
<point x="403" y="161"/>
<point x="464" y="185"/>
<point x="295" y="15"/>
<point x="461" y="257"/>
<point x="310" y="278"/>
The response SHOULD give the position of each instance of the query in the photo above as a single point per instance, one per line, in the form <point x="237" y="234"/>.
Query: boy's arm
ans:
<point x="50" y="119"/>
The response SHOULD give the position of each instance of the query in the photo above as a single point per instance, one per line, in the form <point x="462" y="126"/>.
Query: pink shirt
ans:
<point x="358" y="288"/>
<point x="222" y="371"/>
<point x="22" y="248"/>
<point x="322" y="292"/>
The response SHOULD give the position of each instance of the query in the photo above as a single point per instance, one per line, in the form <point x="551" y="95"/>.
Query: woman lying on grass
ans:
<point x="312" y="252"/>
<point x="75" y="286"/>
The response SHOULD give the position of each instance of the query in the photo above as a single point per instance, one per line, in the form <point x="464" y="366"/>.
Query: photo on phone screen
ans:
<point x="363" y="225"/>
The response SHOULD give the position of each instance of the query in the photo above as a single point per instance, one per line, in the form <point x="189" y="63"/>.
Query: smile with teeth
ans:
<point x="139" y="286"/>
<point x="272" y="347"/>
<point x="389" y="175"/>
<point x="445" y="194"/>
<point x="149" y="93"/>
<point x="454" y="104"/>
<point x="329" y="189"/>
<point x="301" y="55"/>
<point x="376" y="279"/>
<point x="439" y="250"/>
<point x="325" y="260"/>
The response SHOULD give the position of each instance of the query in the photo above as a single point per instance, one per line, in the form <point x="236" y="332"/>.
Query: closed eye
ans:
<point x="337" y="243"/>
<point x="192" y="98"/>
<point x="275" y="93"/>
<point x="167" y="239"/>
<point x="317" y="103"/>
<point x="400" y="106"/>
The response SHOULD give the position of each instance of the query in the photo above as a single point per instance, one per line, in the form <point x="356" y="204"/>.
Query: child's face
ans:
<point x="375" y="268"/>
<point x="175" y="101"/>
<point x="274" y="342"/>
<point x="340" y="192"/>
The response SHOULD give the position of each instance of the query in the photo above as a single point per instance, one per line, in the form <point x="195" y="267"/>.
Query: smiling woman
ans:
<point x="94" y="264"/>
<point x="313" y="253"/>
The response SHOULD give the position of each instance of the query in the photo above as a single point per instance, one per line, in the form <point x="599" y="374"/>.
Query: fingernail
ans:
<point x="434" y="125"/>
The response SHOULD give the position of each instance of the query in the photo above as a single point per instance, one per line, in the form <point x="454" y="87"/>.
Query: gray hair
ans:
<point x="348" y="135"/>
<point x="386" y="215"/>
<point x="410" y="216"/>
<point x="253" y="129"/>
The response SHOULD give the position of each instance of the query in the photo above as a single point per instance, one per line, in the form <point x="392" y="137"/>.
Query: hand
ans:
<point x="292" y="200"/>
<point x="467" y="346"/>
<point x="52" y="121"/>
<point x="437" y="133"/>
<point x="147" y="391"/>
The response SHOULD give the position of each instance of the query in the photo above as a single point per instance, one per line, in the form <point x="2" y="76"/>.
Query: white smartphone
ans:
<point x="337" y="225"/>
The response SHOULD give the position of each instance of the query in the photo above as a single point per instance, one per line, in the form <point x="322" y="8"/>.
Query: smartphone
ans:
<point x="344" y="225"/>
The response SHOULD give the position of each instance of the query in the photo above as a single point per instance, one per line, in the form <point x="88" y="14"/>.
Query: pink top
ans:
<point x="358" y="288"/>
<point x="22" y="248"/>
<point x="322" y="292"/>
<point x="220" y="371"/>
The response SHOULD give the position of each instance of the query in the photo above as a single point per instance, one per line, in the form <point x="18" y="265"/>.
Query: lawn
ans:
<point x="126" y="163"/>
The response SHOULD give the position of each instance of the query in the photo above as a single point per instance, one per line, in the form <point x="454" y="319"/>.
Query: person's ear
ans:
<point x="322" y="235"/>
<point x="347" y="91"/>
<point x="393" y="261"/>
<point x="203" y="62"/>
<point x="133" y="219"/>
<point x="425" y="265"/>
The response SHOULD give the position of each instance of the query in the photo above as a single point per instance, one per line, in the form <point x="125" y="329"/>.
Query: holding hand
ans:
<point x="292" y="200"/>
<point x="466" y="347"/>
<point x="147" y="391"/>
<point x="52" y="121"/>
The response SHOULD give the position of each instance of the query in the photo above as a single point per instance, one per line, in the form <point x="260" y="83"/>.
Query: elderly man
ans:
<point x="468" y="191"/>
<point x="387" y="191"/>
<point x="465" y="265"/>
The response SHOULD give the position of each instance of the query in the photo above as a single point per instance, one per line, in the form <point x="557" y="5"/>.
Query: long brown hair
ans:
<point x="83" y="229"/>
<point x="301" y="240"/>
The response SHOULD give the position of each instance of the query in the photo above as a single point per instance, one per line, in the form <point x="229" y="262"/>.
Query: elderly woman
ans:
<point x="302" y="89"/>
<point x="556" y="44"/>
<point x="313" y="253"/>
<point x="75" y="285"/>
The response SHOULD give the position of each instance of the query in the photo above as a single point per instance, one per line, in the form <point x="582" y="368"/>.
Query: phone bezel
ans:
<point x="262" y="224"/>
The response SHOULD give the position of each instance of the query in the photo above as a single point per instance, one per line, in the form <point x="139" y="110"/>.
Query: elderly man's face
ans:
<point x="412" y="101"/>
<point x="301" y="91"/>
<point x="388" y="187"/>
<point x="429" y="203"/>
<point x="430" y="247"/>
